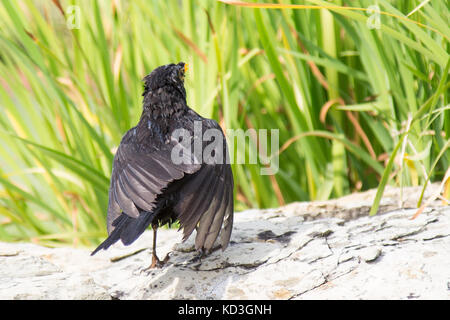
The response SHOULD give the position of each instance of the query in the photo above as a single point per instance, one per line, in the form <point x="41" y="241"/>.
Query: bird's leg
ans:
<point x="155" y="259"/>
<point x="156" y="263"/>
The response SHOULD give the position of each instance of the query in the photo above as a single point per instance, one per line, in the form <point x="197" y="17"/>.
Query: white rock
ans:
<point x="326" y="250"/>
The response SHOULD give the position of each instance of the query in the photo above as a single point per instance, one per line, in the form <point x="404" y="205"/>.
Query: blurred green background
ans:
<point x="360" y="99"/>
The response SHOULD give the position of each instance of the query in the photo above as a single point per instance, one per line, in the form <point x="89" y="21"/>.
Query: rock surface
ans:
<point x="311" y="250"/>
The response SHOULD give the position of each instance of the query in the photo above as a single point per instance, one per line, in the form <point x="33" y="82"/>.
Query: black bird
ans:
<point x="157" y="178"/>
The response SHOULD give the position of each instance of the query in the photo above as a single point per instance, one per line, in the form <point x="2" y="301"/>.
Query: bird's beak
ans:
<point x="186" y="67"/>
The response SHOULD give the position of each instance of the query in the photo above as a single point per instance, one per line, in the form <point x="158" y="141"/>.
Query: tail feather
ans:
<point x="127" y="229"/>
<point x="132" y="230"/>
<point x="119" y="223"/>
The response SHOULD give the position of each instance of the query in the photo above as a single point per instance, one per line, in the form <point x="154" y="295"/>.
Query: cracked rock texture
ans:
<point x="310" y="250"/>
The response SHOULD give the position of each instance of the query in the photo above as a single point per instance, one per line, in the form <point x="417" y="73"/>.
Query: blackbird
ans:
<point x="160" y="176"/>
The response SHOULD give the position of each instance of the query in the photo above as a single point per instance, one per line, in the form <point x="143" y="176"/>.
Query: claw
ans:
<point x="156" y="263"/>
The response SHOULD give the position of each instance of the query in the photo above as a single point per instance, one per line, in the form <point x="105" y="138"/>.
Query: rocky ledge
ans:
<point x="310" y="250"/>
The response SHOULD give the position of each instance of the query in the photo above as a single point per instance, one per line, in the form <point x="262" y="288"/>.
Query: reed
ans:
<point x="360" y="98"/>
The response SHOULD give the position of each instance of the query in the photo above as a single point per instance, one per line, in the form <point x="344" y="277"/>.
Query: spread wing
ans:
<point x="138" y="177"/>
<point x="206" y="199"/>
<point x="205" y="190"/>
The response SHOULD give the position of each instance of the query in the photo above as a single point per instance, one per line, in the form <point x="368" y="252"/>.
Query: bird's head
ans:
<point x="168" y="75"/>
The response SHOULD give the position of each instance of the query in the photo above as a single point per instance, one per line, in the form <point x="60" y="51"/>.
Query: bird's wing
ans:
<point x="139" y="177"/>
<point x="206" y="202"/>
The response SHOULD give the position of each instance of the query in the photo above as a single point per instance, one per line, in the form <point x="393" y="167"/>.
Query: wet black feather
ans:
<point x="147" y="188"/>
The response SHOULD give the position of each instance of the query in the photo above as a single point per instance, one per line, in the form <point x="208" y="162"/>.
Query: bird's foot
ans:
<point x="156" y="263"/>
<point x="202" y="254"/>
<point x="198" y="257"/>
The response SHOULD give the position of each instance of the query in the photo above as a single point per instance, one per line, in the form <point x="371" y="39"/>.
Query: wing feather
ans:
<point x="207" y="202"/>
<point x="200" y="194"/>
<point x="205" y="191"/>
<point x="190" y="199"/>
<point x="138" y="178"/>
<point x="227" y="227"/>
<point x="140" y="187"/>
<point x="136" y="193"/>
<point x="206" y="220"/>
<point x="216" y="224"/>
<point x="145" y="179"/>
<point x="124" y="200"/>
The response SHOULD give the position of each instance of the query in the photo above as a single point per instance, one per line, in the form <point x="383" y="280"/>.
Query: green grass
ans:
<point x="357" y="108"/>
